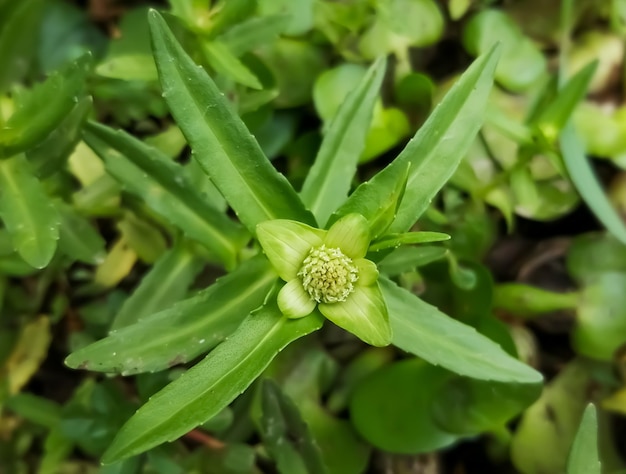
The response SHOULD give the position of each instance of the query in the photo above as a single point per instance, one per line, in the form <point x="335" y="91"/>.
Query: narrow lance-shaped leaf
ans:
<point x="558" y="112"/>
<point x="183" y="331"/>
<point x="44" y="108"/>
<point x="286" y="434"/>
<point x="434" y="152"/>
<point x="51" y="154"/>
<point x="226" y="63"/>
<point x="27" y="212"/>
<point x="583" y="457"/>
<point x="209" y="386"/>
<point x="221" y="143"/>
<point x="164" y="284"/>
<point x="328" y="182"/>
<point x="423" y="330"/>
<point x="162" y="184"/>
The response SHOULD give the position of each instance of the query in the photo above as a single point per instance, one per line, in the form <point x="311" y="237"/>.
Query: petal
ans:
<point x="368" y="272"/>
<point x="287" y="243"/>
<point x="351" y="234"/>
<point x="364" y="314"/>
<point x="294" y="301"/>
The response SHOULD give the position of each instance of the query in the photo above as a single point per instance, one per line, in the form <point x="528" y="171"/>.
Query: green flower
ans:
<point x="327" y="269"/>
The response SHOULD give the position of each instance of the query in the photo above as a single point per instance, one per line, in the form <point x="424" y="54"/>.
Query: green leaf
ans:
<point x="582" y="175"/>
<point x="300" y="14"/>
<point x="209" y="386"/>
<point x="229" y="13"/>
<point x="128" y="56"/>
<point x="44" y="108"/>
<point x="406" y="259"/>
<point x="467" y="406"/>
<point x="601" y="317"/>
<point x="558" y="112"/>
<point x="183" y="331"/>
<point x="328" y="181"/>
<point x="434" y="152"/>
<point x="522" y="62"/>
<point x="226" y="63"/>
<point x="164" y="284"/>
<point x="252" y="33"/>
<point x="423" y="330"/>
<point x="77" y="237"/>
<point x="546" y="430"/>
<point x="219" y="139"/>
<point x="391" y="408"/>
<point x="286" y="435"/>
<point x="28" y="213"/>
<point x="162" y="184"/>
<point x="396" y="240"/>
<point x="51" y="154"/>
<point x="40" y="410"/>
<point x="583" y="457"/>
<point x="17" y="42"/>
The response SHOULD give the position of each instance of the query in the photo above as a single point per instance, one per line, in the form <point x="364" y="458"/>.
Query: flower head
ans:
<point x="327" y="269"/>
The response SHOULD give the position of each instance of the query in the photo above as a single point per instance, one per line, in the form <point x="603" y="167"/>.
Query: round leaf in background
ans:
<point x="332" y="87"/>
<point x="466" y="406"/>
<point x="521" y="63"/>
<point x="601" y="318"/>
<point x="392" y="408"/>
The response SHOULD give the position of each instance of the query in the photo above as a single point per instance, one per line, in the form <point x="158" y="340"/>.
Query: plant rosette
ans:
<point x="327" y="270"/>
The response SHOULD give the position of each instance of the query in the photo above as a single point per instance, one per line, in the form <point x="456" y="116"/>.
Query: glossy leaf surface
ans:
<point x="434" y="152"/>
<point x="162" y="184"/>
<point x="423" y="330"/>
<point x="27" y="212"/>
<point x="328" y="181"/>
<point x="212" y="384"/>
<point x="219" y="139"/>
<point x="183" y="331"/>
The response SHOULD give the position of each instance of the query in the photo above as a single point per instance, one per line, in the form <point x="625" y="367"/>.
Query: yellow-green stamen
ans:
<point x="328" y="276"/>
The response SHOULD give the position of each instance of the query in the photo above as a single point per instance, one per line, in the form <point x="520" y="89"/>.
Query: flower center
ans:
<point x="328" y="276"/>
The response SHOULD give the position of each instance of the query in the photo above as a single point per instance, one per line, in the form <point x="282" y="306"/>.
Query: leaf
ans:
<point x="328" y="181"/>
<point x="423" y="330"/>
<point x="183" y="331"/>
<point x="165" y="283"/>
<point x="28" y="213"/>
<point x="226" y="63"/>
<point x="406" y="259"/>
<point x="43" y="108"/>
<point x="117" y="265"/>
<point x="396" y="240"/>
<point x="209" y="386"/>
<point x="582" y="175"/>
<point x="51" y="154"/>
<point x="286" y="435"/>
<point x="28" y="354"/>
<point x="558" y="112"/>
<point x="143" y="237"/>
<point x="219" y="139"/>
<point x="391" y="408"/>
<point x="522" y="62"/>
<point x="162" y="184"/>
<point x="434" y="152"/>
<point x="40" y="410"/>
<point x="583" y="457"/>
<point x="77" y="237"/>
<point x="252" y="33"/>
<point x="17" y="41"/>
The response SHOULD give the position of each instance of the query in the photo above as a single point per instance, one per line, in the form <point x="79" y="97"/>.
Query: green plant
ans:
<point x="241" y="307"/>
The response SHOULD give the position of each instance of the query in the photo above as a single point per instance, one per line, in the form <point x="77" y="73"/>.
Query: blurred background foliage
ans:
<point x="529" y="264"/>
